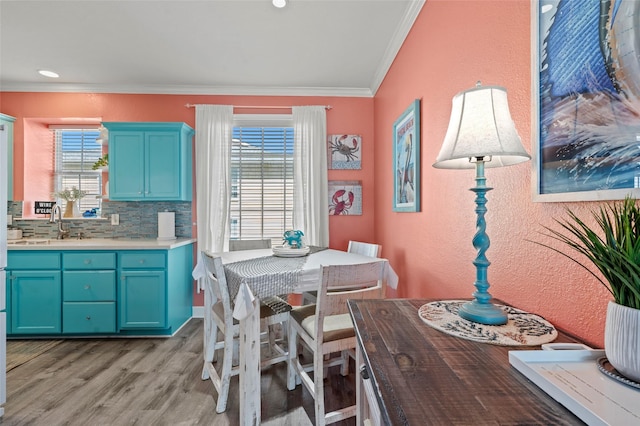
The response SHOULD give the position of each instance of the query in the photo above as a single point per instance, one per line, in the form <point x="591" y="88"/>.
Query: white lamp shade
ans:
<point x="481" y="126"/>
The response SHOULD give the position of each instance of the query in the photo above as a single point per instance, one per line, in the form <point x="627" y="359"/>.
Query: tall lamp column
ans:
<point x="481" y="134"/>
<point x="481" y="309"/>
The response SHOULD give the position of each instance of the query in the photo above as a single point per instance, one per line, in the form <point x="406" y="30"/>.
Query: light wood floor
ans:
<point x="148" y="382"/>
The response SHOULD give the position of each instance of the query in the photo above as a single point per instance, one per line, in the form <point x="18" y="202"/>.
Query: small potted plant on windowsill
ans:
<point x="102" y="163"/>
<point x="613" y="247"/>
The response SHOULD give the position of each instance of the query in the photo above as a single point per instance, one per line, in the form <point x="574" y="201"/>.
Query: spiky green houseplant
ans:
<point x="612" y="246"/>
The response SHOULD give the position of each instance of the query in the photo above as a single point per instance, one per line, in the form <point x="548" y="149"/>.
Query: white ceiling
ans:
<point x="310" y="47"/>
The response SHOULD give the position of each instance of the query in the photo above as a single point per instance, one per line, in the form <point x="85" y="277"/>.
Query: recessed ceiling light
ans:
<point x="279" y="3"/>
<point x="48" y="73"/>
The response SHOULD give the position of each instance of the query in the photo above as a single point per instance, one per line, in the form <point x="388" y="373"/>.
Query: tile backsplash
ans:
<point x="137" y="220"/>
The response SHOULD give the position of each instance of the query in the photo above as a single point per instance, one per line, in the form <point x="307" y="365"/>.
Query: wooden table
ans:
<point x="246" y="311"/>
<point x="423" y="376"/>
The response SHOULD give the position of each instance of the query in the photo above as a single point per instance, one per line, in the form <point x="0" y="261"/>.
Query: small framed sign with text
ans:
<point x="43" y="207"/>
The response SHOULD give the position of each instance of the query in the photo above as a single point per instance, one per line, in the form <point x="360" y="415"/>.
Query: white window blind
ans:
<point x="76" y="152"/>
<point x="261" y="182"/>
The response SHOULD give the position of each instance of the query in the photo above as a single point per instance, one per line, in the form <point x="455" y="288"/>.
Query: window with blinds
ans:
<point x="261" y="182"/>
<point x="76" y="152"/>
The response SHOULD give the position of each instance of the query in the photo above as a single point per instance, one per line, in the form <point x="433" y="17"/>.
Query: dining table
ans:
<point x="257" y="274"/>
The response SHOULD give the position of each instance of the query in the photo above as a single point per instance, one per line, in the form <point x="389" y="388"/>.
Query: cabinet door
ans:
<point x="126" y="165"/>
<point x="36" y="302"/>
<point x="162" y="166"/>
<point x="142" y="299"/>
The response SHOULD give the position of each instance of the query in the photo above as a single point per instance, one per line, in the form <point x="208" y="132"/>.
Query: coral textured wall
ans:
<point x="347" y="116"/>
<point x="452" y="45"/>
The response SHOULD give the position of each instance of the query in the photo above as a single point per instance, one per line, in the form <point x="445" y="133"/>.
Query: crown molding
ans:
<point x="189" y="90"/>
<point x="412" y="12"/>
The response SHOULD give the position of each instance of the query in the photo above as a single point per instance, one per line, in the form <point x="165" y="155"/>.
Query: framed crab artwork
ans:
<point x="345" y="197"/>
<point x="344" y="152"/>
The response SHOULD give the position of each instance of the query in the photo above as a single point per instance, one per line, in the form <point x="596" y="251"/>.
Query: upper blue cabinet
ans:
<point x="149" y="161"/>
<point x="7" y="122"/>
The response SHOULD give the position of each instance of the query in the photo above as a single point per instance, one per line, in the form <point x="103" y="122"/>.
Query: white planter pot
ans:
<point x="622" y="340"/>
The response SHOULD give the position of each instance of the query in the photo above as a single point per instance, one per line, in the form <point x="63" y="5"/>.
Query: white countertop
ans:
<point x="97" y="244"/>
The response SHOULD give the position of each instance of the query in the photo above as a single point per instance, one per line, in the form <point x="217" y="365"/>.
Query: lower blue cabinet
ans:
<point x="99" y="292"/>
<point x="89" y="301"/>
<point x="36" y="302"/>
<point x="143" y="302"/>
<point x="89" y="317"/>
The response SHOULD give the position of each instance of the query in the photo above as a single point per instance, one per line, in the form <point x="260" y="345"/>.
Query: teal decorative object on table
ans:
<point x="293" y="238"/>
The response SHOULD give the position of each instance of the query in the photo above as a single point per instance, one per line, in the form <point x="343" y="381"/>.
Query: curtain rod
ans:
<point x="259" y="106"/>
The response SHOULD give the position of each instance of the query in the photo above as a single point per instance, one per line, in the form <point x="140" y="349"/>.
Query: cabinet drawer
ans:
<point x="33" y="261"/>
<point x="142" y="260"/>
<point x="81" y="286"/>
<point x="89" y="260"/>
<point x="93" y="317"/>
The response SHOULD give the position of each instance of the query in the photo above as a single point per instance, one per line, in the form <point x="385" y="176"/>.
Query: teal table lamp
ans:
<point x="481" y="134"/>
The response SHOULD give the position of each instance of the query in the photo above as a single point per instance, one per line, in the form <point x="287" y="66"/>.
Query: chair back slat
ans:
<point x="236" y="245"/>
<point x="365" y="249"/>
<point x="340" y="283"/>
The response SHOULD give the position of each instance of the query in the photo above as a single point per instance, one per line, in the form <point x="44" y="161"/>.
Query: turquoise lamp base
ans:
<point x="481" y="310"/>
<point x="483" y="313"/>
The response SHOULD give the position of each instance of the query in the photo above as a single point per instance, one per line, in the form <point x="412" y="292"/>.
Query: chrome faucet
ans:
<point x="52" y="219"/>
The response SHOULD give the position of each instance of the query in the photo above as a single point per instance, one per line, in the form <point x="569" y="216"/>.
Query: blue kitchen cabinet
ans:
<point x="142" y="292"/>
<point x="36" y="300"/>
<point x="154" y="295"/>
<point x="88" y="292"/>
<point x="150" y="161"/>
<point x="7" y="121"/>
<point x="142" y="299"/>
<point x="99" y="292"/>
<point x="35" y="292"/>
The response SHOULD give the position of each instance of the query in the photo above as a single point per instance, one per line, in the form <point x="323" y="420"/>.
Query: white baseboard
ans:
<point x="197" y="311"/>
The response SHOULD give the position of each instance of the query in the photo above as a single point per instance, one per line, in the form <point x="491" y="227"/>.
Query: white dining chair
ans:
<point x="365" y="249"/>
<point x="326" y="327"/>
<point x="236" y="245"/>
<point x="218" y="320"/>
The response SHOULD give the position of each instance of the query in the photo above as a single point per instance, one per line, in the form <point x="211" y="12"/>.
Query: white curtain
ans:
<point x="214" y="128"/>
<point x="310" y="194"/>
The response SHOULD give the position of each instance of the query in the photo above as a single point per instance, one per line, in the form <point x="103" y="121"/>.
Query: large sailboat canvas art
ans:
<point x="587" y="95"/>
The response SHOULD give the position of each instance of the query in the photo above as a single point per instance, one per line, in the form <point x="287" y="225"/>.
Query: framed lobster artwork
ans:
<point x="345" y="197"/>
<point x="406" y="160"/>
<point x="344" y="152"/>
